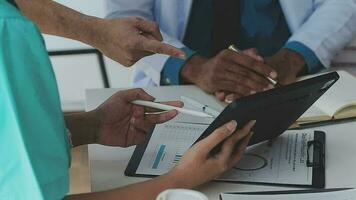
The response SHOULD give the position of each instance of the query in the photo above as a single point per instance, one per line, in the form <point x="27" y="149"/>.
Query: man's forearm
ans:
<point x="125" y="40"/>
<point x="56" y="19"/>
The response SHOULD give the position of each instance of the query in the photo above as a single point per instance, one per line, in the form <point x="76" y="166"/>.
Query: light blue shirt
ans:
<point x="265" y="29"/>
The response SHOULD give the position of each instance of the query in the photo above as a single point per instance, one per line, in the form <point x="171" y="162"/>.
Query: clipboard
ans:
<point x="275" y="111"/>
<point x="136" y="159"/>
<point x="317" y="163"/>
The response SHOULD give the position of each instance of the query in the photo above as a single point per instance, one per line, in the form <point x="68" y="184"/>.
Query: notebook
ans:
<point x="337" y="103"/>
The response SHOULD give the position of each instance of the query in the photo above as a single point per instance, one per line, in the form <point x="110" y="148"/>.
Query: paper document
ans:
<point x="283" y="163"/>
<point x="167" y="145"/>
<point x="336" y="195"/>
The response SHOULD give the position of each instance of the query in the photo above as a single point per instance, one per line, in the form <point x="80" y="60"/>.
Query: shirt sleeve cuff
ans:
<point x="311" y="60"/>
<point x="170" y="74"/>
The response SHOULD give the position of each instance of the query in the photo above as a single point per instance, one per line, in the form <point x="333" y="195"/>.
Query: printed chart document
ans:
<point x="167" y="145"/>
<point x="349" y="194"/>
<point x="283" y="162"/>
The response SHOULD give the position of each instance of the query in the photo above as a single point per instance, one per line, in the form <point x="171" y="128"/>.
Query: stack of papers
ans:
<point x="348" y="194"/>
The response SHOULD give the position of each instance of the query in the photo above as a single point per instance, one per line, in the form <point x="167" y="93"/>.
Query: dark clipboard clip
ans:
<point x="318" y="154"/>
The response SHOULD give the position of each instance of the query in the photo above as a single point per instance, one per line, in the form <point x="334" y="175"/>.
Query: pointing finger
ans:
<point x="155" y="46"/>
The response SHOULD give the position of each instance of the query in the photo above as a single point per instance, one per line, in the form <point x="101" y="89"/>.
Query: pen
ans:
<point x="168" y="107"/>
<point x="237" y="50"/>
<point x="204" y="108"/>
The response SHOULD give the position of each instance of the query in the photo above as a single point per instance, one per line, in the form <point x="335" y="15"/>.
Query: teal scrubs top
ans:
<point x="34" y="149"/>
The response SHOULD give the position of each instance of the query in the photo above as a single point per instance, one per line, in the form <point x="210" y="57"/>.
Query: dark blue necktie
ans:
<point x="226" y="24"/>
<point x="213" y="25"/>
<point x="198" y="31"/>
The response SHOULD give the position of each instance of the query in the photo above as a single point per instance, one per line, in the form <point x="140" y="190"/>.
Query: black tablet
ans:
<point x="275" y="110"/>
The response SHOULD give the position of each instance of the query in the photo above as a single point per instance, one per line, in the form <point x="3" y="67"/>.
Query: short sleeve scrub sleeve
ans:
<point x="34" y="149"/>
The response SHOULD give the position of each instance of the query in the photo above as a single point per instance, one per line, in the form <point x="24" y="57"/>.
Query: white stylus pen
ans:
<point x="167" y="108"/>
<point x="197" y="104"/>
<point x="237" y="50"/>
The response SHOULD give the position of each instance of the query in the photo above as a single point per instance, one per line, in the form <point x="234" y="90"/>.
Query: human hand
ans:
<point x="288" y="64"/>
<point x="229" y="97"/>
<point x="127" y="40"/>
<point x="230" y="72"/>
<point x="124" y="124"/>
<point x="198" y="166"/>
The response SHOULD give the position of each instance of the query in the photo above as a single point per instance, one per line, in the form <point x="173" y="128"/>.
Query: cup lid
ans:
<point x="179" y="194"/>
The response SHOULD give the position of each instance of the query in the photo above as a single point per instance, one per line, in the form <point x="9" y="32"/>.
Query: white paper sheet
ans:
<point x="167" y="145"/>
<point x="337" y="195"/>
<point x="284" y="162"/>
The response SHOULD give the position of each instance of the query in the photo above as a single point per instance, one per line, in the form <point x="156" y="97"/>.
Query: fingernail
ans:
<point x="253" y="92"/>
<point x="182" y="56"/>
<point x="231" y="126"/>
<point x="227" y="101"/>
<point x="229" y="98"/>
<point x="273" y="75"/>
<point x="133" y="120"/>
<point x="253" y="122"/>
<point x="182" y="104"/>
<point x="174" y="113"/>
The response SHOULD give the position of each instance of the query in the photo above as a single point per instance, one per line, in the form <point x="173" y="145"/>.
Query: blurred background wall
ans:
<point x="76" y="67"/>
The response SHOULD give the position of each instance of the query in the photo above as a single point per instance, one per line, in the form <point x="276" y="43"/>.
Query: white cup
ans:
<point x="181" y="194"/>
